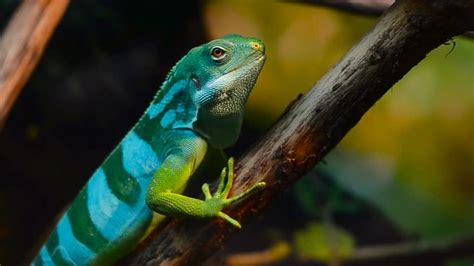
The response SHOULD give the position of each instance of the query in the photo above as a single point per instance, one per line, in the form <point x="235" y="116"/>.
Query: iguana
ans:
<point x="199" y="106"/>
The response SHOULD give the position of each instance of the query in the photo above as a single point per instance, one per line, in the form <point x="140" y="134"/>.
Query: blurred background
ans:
<point x="398" y="189"/>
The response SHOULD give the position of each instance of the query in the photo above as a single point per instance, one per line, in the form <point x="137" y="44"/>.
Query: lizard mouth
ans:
<point x="227" y="94"/>
<point x="249" y="65"/>
<point x="236" y="72"/>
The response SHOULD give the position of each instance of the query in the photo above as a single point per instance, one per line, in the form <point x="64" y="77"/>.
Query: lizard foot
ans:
<point x="214" y="204"/>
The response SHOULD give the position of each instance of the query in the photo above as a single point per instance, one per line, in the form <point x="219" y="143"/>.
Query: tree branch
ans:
<point x="317" y="122"/>
<point x="22" y="45"/>
<point x="406" y="253"/>
<point x="367" y="7"/>
<point x="410" y="252"/>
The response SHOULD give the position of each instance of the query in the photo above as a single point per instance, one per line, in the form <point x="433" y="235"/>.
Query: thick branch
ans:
<point x="317" y="122"/>
<point x="22" y="45"/>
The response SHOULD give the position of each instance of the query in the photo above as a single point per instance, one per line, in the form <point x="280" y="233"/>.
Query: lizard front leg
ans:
<point x="163" y="194"/>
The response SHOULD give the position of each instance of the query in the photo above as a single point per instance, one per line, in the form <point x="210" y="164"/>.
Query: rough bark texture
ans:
<point x="317" y="122"/>
<point x="22" y="45"/>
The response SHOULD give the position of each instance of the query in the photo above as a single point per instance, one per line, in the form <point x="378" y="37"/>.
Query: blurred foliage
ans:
<point x="323" y="242"/>
<point x="412" y="154"/>
<point x="319" y="196"/>
<point x="302" y="43"/>
<point x="414" y="208"/>
<point x="277" y="252"/>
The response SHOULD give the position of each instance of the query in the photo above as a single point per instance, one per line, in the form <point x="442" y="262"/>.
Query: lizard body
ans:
<point x="200" y="105"/>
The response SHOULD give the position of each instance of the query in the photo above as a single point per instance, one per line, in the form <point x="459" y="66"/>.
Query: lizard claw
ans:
<point x="220" y="200"/>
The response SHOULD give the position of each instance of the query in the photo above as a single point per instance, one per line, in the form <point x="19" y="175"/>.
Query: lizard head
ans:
<point x="221" y="74"/>
<point x="225" y="72"/>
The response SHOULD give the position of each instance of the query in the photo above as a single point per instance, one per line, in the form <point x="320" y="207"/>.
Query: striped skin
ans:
<point x="110" y="216"/>
<point x="201" y="103"/>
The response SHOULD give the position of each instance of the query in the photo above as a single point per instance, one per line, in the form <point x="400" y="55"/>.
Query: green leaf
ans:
<point x="323" y="242"/>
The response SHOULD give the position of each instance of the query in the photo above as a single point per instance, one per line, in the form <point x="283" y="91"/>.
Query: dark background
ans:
<point x="101" y="68"/>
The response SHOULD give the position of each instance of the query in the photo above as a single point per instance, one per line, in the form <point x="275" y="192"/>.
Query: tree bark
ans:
<point x="22" y="45"/>
<point x="314" y="124"/>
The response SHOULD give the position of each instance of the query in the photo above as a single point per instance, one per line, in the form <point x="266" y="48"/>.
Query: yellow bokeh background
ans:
<point x="423" y="125"/>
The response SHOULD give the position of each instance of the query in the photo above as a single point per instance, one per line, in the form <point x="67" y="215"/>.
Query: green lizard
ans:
<point x="200" y="105"/>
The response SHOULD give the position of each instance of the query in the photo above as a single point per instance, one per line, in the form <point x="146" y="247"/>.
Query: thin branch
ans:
<point x="317" y="122"/>
<point x="22" y="45"/>
<point x="278" y="252"/>
<point x="469" y="34"/>
<point x="398" y="253"/>
<point x="434" y="250"/>
<point x="366" y="7"/>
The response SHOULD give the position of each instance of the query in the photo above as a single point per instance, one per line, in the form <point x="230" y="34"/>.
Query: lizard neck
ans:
<point x="172" y="107"/>
<point x="220" y="132"/>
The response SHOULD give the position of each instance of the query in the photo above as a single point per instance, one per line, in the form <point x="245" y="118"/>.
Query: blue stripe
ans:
<point x="44" y="254"/>
<point x="64" y="257"/>
<point x="155" y="109"/>
<point x="102" y="205"/>
<point x="121" y="221"/>
<point x="112" y="217"/>
<point x="180" y="108"/>
<point x="168" y="119"/>
<point x="139" y="159"/>
<point x="76" y="251"/>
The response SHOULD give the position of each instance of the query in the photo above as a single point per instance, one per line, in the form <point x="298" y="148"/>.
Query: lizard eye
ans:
<point x="217" y="53"/>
